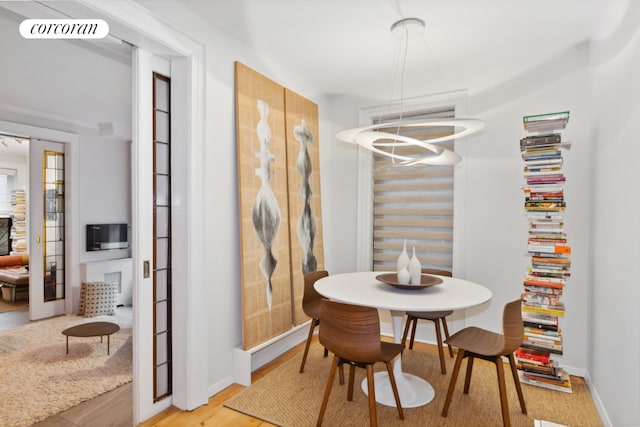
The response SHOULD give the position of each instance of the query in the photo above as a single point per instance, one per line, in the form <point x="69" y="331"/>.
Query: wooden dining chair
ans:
<point x="473" y="342"/>
<point x="311" y="307"/>
<point x="437" y="317"/>
<point x="352" y="334"/>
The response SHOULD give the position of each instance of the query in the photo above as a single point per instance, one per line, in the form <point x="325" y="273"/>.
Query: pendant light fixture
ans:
<point x="377" y="137"/>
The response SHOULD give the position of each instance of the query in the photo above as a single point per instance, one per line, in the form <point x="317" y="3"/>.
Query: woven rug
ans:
<point x="286" y="397"/>
<point x="38" y="378"/>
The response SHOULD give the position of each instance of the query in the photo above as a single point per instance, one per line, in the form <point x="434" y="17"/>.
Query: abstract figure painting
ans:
<point x="306" y="222"/>
<point x="279" y="195"/>
<point x="305" y="219"/>
<point x="266" y="213"/>
<point x="264" y="221"/>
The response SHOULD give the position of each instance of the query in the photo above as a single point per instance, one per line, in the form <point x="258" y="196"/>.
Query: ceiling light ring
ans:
<point x="469" y="126"/>
<point x="367" y="139"/>
<point x="408" y="28"/>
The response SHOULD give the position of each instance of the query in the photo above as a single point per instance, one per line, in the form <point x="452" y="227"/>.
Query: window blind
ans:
<point x="413" y="203"/>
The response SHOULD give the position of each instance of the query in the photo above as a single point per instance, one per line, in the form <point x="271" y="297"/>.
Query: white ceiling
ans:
<point x="341" y="47"/>
<point x="13" y="146"/>
<point x="345" y="46"/>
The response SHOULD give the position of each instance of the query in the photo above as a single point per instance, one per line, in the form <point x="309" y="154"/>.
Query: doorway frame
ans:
<point x="190" y="343"/>
<point x="72" y="234"/>
<point x="133" y="23"/>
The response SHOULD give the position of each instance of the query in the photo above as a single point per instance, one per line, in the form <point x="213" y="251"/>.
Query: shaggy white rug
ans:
<point x="38" y="379"/>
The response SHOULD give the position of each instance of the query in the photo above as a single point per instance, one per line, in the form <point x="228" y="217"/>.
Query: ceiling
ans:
<point x="345" y="47"/>
<point x="11" y="145"/>
<point x="339" y="47"/>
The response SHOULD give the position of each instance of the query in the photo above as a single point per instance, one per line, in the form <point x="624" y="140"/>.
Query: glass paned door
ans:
<point x="46" y="222"/>
<point x="162" y="236"/>
<point x="53" y="232"/>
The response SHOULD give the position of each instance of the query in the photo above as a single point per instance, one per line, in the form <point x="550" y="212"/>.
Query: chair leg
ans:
<point x="314" y="322"/>
<point x="516" y="380"/>
<point x="352" y="375"/>
<point x="446" y="334"/>
<point x="411" y="322"/>
<point x="406" y="330"/>
<point x="452" y="382"/>
<point x="503" y="392"/>
<point x="394" y="387"/>
<point x="327" y="391"/>
<point x="467" y="377"/>
<point x="373" y="416"/>
<point x="413" y="332"/>
<point x="443" y="368"/>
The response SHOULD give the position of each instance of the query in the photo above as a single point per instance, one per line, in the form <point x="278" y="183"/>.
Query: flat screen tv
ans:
<point x="101" y="237"/>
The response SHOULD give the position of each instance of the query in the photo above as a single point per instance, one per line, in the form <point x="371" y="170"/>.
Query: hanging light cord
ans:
<point x="403" y="65"/>
<point x="435" y="64"/>
<point x="397" y="2"/>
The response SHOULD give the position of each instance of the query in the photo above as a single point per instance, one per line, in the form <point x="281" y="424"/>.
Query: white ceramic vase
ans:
<point x="404" y="277"/>
<point x="403" y="259"/>
<point x="415" y="269"/>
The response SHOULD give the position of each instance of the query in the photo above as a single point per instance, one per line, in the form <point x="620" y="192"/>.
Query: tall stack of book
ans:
<point x="19" y="224"/>
<point x="549" y="252"/>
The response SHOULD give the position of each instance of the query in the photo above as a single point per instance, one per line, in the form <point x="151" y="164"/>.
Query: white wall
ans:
<point x="495" y="223"/>
<point x="105" y="188"/>
<point x="614" y="324"/>
<point x="339" y="172"/>
<point x="67" y="86"/>
<point x="18" y="163"/>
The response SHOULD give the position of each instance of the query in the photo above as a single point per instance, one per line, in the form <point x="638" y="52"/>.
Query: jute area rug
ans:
<point x="38" y="379"/>
<point x="286" y="397"/>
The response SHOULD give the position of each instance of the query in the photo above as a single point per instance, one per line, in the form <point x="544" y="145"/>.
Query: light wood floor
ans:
<point x="214" y="413"/>
<point x="116" y="407"/>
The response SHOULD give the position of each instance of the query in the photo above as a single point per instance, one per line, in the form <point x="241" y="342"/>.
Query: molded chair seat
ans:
<point x="473" y="342"/>
<point x="437" y="317"/>
<point x="352" y="334"/>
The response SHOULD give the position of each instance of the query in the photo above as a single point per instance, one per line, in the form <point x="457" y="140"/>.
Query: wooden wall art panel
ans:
<point x="280" y="209"/>
<point x="305" y="213"/>
<point x="264" y="221"/>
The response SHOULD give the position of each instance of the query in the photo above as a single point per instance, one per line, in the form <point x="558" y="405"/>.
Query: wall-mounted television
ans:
<point x="102" y="237"/>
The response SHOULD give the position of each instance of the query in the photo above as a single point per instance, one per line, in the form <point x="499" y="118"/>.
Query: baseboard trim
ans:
<point x="247" y="361"/>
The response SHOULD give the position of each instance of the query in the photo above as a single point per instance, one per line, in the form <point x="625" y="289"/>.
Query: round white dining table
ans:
<point x="362" y="288"/>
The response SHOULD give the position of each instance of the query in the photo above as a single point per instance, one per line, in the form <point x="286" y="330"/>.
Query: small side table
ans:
<point x="92" y="329"/>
